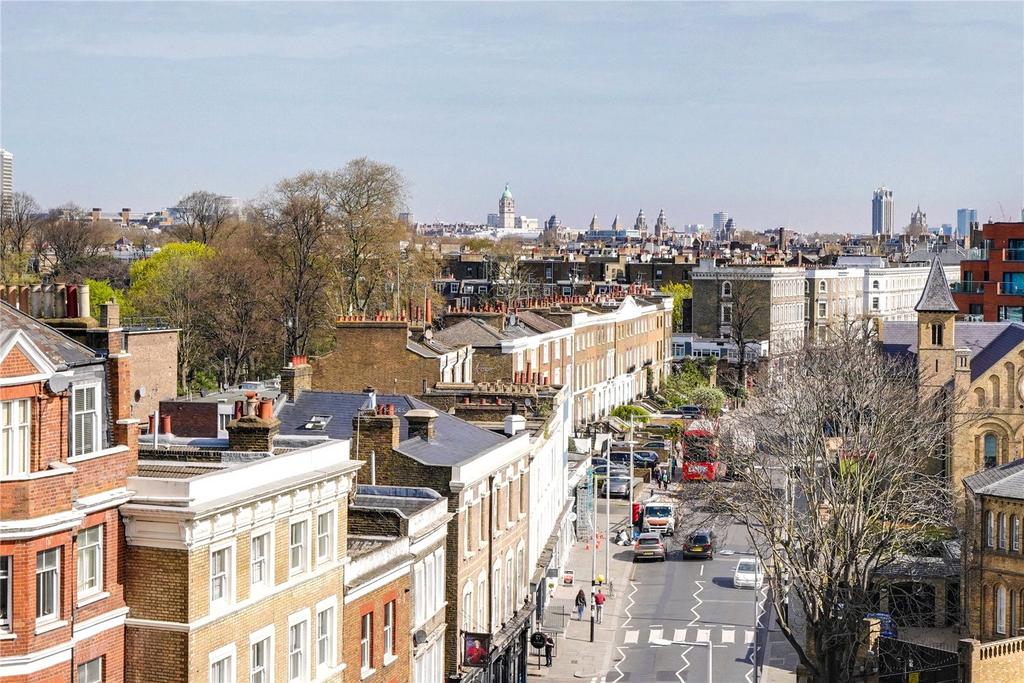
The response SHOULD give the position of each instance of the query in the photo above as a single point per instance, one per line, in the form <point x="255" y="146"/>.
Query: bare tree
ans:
<point x="747" y="312"/>
<point x="295" y="232"/>
<point x="845" y="480"/>
<point x="512" y="280"/>
<point x="205" y="217"/>
<point x="364" y="200"/>
<point x="70" y="236"/>
<point x="18" y="221"/>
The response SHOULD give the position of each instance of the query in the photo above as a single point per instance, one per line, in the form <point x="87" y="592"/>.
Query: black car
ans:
<point x="640" y="458"/>
<point x="700" y="543"/>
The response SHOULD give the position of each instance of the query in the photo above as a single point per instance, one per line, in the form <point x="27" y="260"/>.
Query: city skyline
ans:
<point x="545" y="97"/>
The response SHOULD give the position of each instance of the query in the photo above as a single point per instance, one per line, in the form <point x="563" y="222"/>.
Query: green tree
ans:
<point x="680" y="292"/>
<point x="100" y="292"/>
<point x="637" y="413"/>
<point x="711" y="399"/>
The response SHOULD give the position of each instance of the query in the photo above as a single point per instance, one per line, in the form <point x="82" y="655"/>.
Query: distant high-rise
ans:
<point x="964" y="218"/>
<point x="881" y="212"/>
<point x="718" y="223"/>
<point x="6" y="180"/>
<point x="507" y="210"/>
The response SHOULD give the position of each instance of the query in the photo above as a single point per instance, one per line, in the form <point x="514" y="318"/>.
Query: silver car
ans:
<point x="649" y="546"/>
<point x="618" y="487"/>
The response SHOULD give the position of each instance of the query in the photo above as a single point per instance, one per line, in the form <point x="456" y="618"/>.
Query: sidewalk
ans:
<point x="575" y="657"/>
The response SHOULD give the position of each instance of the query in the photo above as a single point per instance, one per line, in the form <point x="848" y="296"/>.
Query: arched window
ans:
<point x="822" y="287"/>
<point x="1000" y="625"/>
<point x="874" y="284"/>
<point x="990" y="530"/>
<point x="807" y="287"/>
<point x="1002" y="531"/>
<point x="1015" y="533"/>
<point x="467" y="607"/>
<point x="937" y="334"/>
<point x="991" y="450"/>
<point x="726" y="289"/>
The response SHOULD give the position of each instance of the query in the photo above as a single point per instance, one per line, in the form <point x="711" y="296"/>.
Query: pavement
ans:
<point x="678" y="620"/>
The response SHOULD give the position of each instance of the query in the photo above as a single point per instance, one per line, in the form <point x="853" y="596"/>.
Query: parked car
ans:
<point x="616" y="487"/>
<point x="660" y="445"/>
<point x="685" y="412"/>
<point x="649" y="458"/>
<point x="700" y="543"/>
<point x="748" y="574"/>
<point x="888" y="626"/>
<point x="649" y="546"/>
<point x="598" y="460"/>
<point x="614" y="470"/>
<point x="640" y="458"/>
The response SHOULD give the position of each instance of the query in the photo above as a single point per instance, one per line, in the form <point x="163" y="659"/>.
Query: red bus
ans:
<point x="700" y="452"/>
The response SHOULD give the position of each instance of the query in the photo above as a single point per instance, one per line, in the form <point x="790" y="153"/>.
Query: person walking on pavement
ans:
<point x="549" y="646"/>
<point x="581" y="604"/>
<point x="599" y="603"/>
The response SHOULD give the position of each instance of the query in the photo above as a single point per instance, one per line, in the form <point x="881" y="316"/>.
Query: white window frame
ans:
<point x="726" y="320"/>
<point x="228" y="598"/>
<point x="97" y="414"/>
<point x="329" y="605"/>
<point x="95" y="676"/>
<point x="85" y="590"/>
<point x="223" y="654"/>
<point x="55" y="614"/>
<point x="305" y="661"/>
<point x="366" y="645"/>
<point x="388" y="632"/>
<point x="481" y="600"/>
<point x="467" y="606"/>
<point x="305" y="549"/>
<point x="15" y="437"/>
<point x="6" y="592"/>
<point x="332" y="515"/>
<point x="990" y="530"/>
<point x="1015" y="533"/>
<point x="264" y="635"/>
<point x="999" y="621"/>
<point x="439" y="578"/>
<point x="268" y="560"/>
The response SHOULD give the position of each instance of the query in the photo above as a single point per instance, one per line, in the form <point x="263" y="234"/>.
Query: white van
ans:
<point x="660" y="515"/>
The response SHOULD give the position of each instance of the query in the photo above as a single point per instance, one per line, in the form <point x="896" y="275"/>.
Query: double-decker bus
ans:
<point x="700" y="452"/>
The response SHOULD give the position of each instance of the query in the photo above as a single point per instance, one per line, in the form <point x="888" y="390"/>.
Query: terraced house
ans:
<point x="67" y="450"/>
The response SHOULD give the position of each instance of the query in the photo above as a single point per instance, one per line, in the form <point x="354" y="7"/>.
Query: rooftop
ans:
<point x="59" y="349"/>
<point x="1005" y="481"/>
<point x="987" y="342"/>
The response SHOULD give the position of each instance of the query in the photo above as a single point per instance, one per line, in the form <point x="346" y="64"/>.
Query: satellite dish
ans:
<point x="57" y="384"/>
<point x="419" y="637"/>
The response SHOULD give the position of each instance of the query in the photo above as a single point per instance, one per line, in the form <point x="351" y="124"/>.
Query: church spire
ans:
<point x="936" y="297"/>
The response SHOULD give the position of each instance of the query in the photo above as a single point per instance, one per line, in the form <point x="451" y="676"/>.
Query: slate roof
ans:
<point x="455" y="441"/>
<point x="60" y="349"/>
<point x="988" y="342"/>
<point x="1005" y="481"/>
<point x="936" y="297"/>
<point x="406" y="499"/>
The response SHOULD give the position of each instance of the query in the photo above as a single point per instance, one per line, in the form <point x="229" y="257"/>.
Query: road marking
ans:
<point x="632" y="637"/>
<point x="655" y="635"/>
<point x="696" y="615"/>
<point x="748" y="637"/>
<point x="728" y="636"/>
<point x="702" y="570"/>
<point x="703" y="635"/>
<point x="678" y="635"/>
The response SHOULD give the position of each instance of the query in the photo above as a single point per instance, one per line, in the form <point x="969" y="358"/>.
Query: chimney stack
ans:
<point x="256" y="429"/>
<point x="297" y="377"/>
<point x="421" y="423"/>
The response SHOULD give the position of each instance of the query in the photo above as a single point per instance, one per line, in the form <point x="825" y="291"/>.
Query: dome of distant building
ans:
<point x="507" y="194"/>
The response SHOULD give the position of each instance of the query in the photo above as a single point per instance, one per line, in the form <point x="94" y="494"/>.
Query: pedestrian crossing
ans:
<point x="657" y="636"/>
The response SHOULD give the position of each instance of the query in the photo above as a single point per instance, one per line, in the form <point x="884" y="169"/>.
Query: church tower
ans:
<point x="507" y="210"/>
<point x="661" y="227"/>
<point x="936" y="349"/>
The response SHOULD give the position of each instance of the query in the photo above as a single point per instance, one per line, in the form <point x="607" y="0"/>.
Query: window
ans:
<point x="15" y="437"/>
<point x="1002" y="531"/>
<point x="822" y="309"/>
<point x="85" y="419"/>
<point x="1015" y="533"/>
<point x="509" y="582"/>
<point x="260" y="668"/>
<point x="47" y="584"/>
<point x="937" y="334"/>
<point x="220" y="671"/>
<point x="467" y="607"/>
<point x="325" y="536"/>
<point x="991" y="443"/>
<point x="726" y="289"/>
<point x="220" y="576"/>
<point x="874" y="284"/>
<point x="90" y="561"/>
<point x="481" y="601"/>
<point x="822" y="287"/>
<point x="297" y="547"/>
<point x="366" y="642"/>
<point x="429" y="585"/>
<point x="483" y="524"/>
<point x="874" y="303"/>
<point x="389" y="629"/>
<point x="91" y="671"/>
<point x="496" y="594"/>
<point x="1000" y="622"/>
<point x="259" y="566"/>
<point x="6" y="580"/>
<point x="726" y="314"/>
<point x="990" y="530"/>
<point x="297" y="652"/>
<point x="325" y="637"/>
<point x="439" y="579"/>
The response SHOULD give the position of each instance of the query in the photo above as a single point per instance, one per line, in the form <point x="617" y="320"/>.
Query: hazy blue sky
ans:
<point x="778" y="113"/>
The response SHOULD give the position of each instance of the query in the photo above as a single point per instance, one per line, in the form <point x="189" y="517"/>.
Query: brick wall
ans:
<point x="987" y="568"/>
<point x="109" y="645"/>
<point x="1000" y="661"/>
<point x="155" y="367"/>
<point x="157" y="583"/>
<point x="23" y="612"/>
<point x="156" y="656"/>
<point x="194" y="419"/>
<point x="373" y="353"/>
<point x="399" y="670"/>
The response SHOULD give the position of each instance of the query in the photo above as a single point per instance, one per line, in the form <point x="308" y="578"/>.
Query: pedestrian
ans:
<point x="549" y="646"/>
<point x="581" y="604"/>
<point x="599" y="603"/>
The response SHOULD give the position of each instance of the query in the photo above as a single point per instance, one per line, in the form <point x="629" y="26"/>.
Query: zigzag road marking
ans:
<point x="629" y="617"/>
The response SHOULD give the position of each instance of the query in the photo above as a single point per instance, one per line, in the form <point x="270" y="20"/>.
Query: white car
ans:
<point x="748" y="574"/>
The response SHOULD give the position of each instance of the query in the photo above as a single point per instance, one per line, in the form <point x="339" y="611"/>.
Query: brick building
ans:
<point x="67" y="450"/>
<point x="485" y="478"/>
<point x="235" y="558"/>
<point x="992" y="276"/>
<point x="993" y="553"/>
<point x="397" y="539"/>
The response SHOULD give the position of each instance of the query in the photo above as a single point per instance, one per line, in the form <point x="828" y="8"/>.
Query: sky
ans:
<point x="779" y="113"/>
